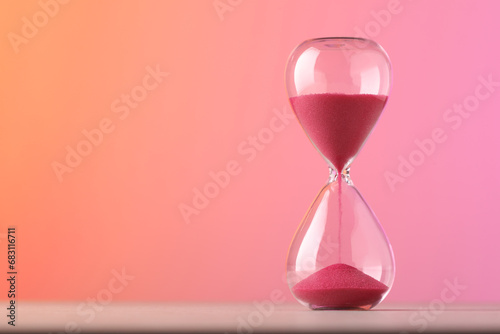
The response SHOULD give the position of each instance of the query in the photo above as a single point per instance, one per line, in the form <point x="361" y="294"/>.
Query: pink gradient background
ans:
<point x="120" y="207"/>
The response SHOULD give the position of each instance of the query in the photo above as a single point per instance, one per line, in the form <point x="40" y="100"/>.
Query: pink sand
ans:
<point x="339" y="286"/>
<point x="338" y="124"/>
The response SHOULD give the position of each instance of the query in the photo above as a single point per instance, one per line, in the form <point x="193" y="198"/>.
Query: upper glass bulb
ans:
<point x="346" y="82"/>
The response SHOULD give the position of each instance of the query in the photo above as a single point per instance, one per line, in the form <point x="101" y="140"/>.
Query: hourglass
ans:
<point x="340" y="257"/>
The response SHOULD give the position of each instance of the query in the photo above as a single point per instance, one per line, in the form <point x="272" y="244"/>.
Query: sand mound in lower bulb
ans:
<point x="339" y="286"/>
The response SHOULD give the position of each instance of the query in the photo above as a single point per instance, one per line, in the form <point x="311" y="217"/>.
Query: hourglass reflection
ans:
<point x="340" y="257"/>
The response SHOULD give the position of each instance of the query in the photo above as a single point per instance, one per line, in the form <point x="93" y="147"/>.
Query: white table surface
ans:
<point x="122" y="317"/>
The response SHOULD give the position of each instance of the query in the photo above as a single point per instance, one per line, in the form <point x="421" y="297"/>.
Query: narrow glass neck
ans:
<point x="333" y="175"/>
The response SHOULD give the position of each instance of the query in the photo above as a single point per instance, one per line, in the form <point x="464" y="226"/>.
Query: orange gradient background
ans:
<point x="119" y="207"/>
